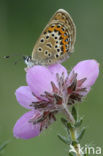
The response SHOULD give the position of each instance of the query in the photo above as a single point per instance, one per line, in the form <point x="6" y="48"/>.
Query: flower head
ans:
<point x="50" y="90"/>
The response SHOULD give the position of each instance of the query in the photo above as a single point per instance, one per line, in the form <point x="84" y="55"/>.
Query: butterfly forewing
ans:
<point x="57" y="40"/>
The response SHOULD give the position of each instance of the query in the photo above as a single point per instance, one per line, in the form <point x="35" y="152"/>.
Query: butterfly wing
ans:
<point x="57" y="40"/>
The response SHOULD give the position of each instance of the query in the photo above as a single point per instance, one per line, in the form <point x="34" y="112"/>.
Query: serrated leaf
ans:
<point x="79" y="122"/>
<point x="64" y="139"/>
<point x="4" y="145"/>
<point x="74" y="113"/>
<point x="81" y="134"/>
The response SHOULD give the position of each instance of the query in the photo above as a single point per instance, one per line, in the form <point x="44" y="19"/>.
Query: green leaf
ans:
<point x="64" y="121"/>
<point x="4" y="145"/>
<point x="81" y="134"/>
<point x="79" y="122"/>
<point x="64" y="139"/>
<point x="72" y="154"/>
<point x="74" y="113"/>
<point x="74" y="143"/>
<point x="70" y="126"/>
<point x="86" y="153"/>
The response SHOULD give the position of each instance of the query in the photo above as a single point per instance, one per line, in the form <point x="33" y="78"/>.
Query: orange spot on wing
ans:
<point x="64" y="38"/>
<point x="51" y="29"/>
<point x="64" y="48"/>
<point x="62" y="35"/>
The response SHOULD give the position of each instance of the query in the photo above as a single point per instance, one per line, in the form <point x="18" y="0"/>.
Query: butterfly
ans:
<point x="56" y="41"/>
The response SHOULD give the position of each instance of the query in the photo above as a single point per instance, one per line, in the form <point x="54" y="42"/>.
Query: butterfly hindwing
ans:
<point x="56" y="41"/>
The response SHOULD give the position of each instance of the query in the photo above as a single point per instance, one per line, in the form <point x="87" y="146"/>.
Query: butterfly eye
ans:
<point x="49" y="54"/>
<point x="58" y="26"/>
<point x="58" y="50"/>
<point x="49" y="61"/>
<point x="40" y="49"/>
<point x="63" y="28"/>
<point x="46" y="52"/>
<point x="56" y="55"/>
<point x="53" y="35"/>
<point x="42" y="40"/>
<point x="56" y="46"/>
<point x="47" y="37"/>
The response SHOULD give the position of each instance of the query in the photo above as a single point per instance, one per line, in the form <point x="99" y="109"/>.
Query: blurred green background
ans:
<point x="21" y="22"/>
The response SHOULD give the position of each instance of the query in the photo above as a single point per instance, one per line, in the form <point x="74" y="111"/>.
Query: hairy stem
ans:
<point x="69" y="115"/>
<point x="73" y="130"/>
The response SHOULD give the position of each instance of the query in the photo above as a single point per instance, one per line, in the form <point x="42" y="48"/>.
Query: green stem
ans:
<point x="72" y="130"/>
<point x="73" y="137"/>
<point x="69" y="116"/>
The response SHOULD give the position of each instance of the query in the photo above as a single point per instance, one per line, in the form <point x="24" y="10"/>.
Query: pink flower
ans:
<point x="50" y="90"/>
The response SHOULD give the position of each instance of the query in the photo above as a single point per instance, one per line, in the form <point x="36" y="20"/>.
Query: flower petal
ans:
<point x="23" y="129"/>
<point x="87" y="69"/>
<point x="39" y="79"/>
<point x="58" y="68"/>
<point x="24" y="96"/>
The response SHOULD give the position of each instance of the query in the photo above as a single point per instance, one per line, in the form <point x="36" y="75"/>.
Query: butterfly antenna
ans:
<point x="23" y="57"/>
<point x="17" y="61"/>
<point x="4" y="57"/>
<point x="10" y="56"/>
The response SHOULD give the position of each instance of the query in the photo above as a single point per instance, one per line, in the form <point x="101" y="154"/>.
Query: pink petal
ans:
<point x="87" y="69"/>
<point x="23" y="129"/>
<point x="58" y="68"/>
<point x="25" y="97"/>
<point x="39" y="79"/>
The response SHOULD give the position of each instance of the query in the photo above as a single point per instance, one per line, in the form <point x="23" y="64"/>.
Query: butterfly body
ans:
<point x="56" y="42"/>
